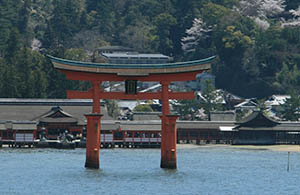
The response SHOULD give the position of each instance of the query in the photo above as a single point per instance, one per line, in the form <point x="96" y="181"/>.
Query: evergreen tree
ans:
<point x="143" y="108"/>
<point x="23" y="68"/>
<point x="23" y="26"/>
<point x="8" y="20"/>
<point x="291" y="107"/>
<point x="64" y="23"/>
<point x="10" y="82"/>
<point x="112" y="107"/>
<point x="13" y="46"/>
<point x="164" y="24"/>
<point x="187" y="109"/>
<point x="211" y="99"/>
<point x="103" y="14"/>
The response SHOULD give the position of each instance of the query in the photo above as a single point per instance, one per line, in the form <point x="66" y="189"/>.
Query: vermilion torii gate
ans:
<point x="131" y="73"/>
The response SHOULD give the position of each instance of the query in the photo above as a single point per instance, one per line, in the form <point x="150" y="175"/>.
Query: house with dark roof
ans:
<point x="259" y="129"/>
<point x="29" y="116"/>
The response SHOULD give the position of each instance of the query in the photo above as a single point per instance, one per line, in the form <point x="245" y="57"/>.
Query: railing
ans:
<point x="106" y="138"/>
<point x="143" y="139"/>
<point x="24" y="137"/>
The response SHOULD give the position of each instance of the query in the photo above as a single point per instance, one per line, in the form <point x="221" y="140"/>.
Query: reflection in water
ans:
<point x="201" y="170"/>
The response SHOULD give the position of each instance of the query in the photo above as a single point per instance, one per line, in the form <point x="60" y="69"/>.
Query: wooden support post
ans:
<point x="93" y="140"/>
<point x="169" y="158"/>
<point x="172" y="137"/>
<point x="168" y="131"/>
<point x="165" y="111"/>
<point x="96" y="96"/>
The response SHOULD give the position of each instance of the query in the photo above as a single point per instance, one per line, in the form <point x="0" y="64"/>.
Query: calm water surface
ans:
<point x="201" y="170"/>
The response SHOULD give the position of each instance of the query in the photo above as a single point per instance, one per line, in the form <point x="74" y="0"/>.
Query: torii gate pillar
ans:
<point x="168" y="143"/>
<point x="93" y="130"/>
<point x="93" y="140"/>
<point x="168" y="131"/>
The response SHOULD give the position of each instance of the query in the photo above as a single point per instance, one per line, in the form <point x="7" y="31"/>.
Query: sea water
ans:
<point x="201" y="170"/>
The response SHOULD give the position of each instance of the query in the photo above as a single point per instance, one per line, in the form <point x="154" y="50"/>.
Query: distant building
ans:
<point x="113" y="49"/>
<point x="135" y="58"/>
<point x="259" y="129"/>
<point x="25" y="118"/>
<point x="246" y="106"/>
<point x="124" y="55"/>
<point x="22" y="121"/>
<point x="275" y="102"/>
<point x="223" y="116"/>
<point x="219" y="99"/>
<point x="146" y="116"/>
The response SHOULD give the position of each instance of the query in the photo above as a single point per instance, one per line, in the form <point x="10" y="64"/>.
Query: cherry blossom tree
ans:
<point x="295" y="21"/>
<point x="271" y="8"/>
<point x="261" y="10"/>
<point x="199" y="31"/>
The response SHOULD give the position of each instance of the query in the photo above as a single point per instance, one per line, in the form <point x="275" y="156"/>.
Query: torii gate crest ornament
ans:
<point x="96" y="73"/>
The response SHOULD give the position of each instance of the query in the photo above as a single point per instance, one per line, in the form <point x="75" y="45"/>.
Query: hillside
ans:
<point x="257" y="42"/>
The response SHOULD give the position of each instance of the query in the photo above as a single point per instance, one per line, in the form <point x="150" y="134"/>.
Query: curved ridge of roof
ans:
<point x="257" y="119"/>
<point x="128" y="66"/>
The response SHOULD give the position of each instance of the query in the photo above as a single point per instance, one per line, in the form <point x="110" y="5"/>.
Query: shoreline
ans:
<point x="279" y="148"/>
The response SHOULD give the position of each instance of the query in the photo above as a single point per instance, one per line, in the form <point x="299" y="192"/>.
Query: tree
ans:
<point x="211" y="99"/>
<point x="226" y="3"/>
<point x="23" y="26"/>
<point x="64" y="23"/>
<point x="24" y="68"/>
<point x="197" y="33"/>
<point x="88" y="40"/>
<point x="143" y="108"/>
<point x="137" y="37"/>
<point x="294" y="21"/>
<point x="187" y="109"/>
<point x="291" y="107"/>
<point x="102" y="15"/>
<point x="39" y="74"/>
<point x="184" y="12"/>
<point x="231" y="43"/>
<point x="112" y="107"/>
<point x="288" y="79"/>
<point x="10" y="82"/>
<point x="13" y="46"/>
<point x="8" y="20"/>
<point x="162" y="31"/>
<point x="261" y="10"/>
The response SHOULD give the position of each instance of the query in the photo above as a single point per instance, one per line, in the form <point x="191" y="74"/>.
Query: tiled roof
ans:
<point x="134" y="55"/>
<point x="18" y="125"/>
<point x="34" y="112"/>
<point x="257" y="119"/>
<point x="129" y="66"/>
<point x="46" y="102"/>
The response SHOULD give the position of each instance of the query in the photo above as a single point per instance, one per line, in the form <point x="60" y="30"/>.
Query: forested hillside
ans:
<point x="257" y="42"/>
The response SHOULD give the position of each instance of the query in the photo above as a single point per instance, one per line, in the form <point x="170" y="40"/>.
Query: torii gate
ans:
<point x="131" y="73"/>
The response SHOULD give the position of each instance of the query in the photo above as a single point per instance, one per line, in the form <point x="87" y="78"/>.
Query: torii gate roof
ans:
<point x="132" y="69"/>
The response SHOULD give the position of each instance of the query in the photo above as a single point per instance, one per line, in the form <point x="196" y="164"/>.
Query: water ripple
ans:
<point x="201" y="170"/>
